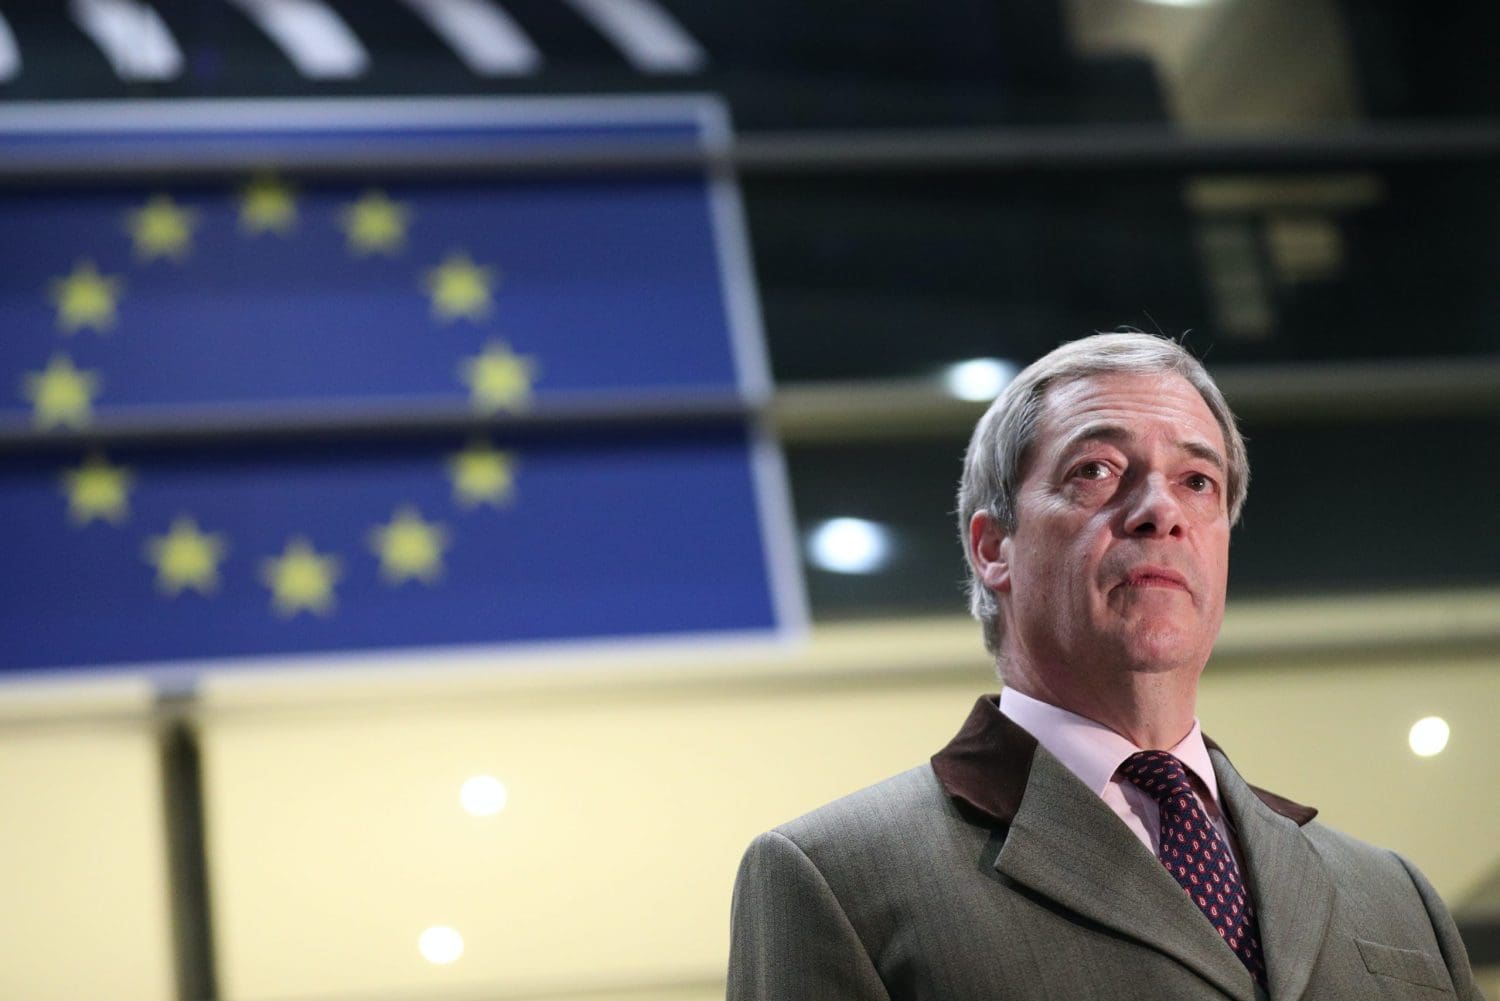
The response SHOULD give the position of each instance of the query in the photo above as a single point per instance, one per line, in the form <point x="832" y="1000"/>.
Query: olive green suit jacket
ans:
<point x="993" y="873"/>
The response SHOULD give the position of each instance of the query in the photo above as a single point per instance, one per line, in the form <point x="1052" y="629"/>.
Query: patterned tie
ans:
<point x="1197" y="857"/>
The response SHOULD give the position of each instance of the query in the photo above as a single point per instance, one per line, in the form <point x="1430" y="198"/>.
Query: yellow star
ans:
<point x="61" y="395"/>
<point x="162" y="228"/>
<point x="85" y="298"/>
<point x="375" y="224"/>
<point x="459" y="287"/>
<point x="300" y="579"/>
<point x="481" y="475"/>
<point x="498" y="379"/>
<point x="186" y="558"/>
<point x="97" y="490"/>
<point x="267" y="206"/>
<point x="409" y="547"/>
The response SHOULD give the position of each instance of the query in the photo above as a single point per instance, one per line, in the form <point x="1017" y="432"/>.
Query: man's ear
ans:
<point x="989" y="551"/>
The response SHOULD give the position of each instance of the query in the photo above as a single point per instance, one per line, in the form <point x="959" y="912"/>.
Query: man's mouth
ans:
<point x="1154" y="576"/>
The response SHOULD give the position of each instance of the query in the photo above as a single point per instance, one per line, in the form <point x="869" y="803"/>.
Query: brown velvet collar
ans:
<point x="986" y="766"/>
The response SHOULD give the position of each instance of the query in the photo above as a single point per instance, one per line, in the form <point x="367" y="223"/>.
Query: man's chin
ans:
<point x="1163" y="649"/>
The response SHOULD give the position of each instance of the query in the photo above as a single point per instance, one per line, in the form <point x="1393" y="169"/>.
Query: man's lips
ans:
<point x="1154" y="576"/>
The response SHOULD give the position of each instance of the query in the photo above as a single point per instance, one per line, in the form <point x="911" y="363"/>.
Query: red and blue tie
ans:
<point x="1197" y="856"/>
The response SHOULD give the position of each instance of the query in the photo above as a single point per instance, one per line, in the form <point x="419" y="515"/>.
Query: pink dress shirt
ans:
<point x="1093" y="752"/>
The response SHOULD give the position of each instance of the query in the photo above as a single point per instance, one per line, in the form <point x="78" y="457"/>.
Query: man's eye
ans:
<point x="1092" y="471"/>
<point x="1199" y="483"/>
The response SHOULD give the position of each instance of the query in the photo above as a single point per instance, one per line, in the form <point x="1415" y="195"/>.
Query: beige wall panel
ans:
<point x="336" y="834"/>
<point x="337" y="840"/>
<point x="82" y="863"/>
<point x="1334" y="735"/>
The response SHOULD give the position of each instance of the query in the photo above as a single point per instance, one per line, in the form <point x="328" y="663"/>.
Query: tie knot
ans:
<point x="1157" y="773"/>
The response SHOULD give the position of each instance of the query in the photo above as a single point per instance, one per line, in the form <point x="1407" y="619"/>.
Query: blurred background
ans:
<point x="933" y="195"/>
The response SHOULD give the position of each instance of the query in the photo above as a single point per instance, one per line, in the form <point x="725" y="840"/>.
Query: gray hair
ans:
<point x="995" y="460"/>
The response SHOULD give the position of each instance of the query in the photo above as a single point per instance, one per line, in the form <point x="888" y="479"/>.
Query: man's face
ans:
<point x="1120" y="555"/>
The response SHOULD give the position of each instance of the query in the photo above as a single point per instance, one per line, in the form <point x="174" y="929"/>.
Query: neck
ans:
<point x="1152" y="710"/>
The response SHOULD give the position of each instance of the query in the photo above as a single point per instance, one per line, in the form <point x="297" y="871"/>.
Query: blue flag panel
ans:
<point x="274" y="296"/>
<point x="266" y="293"/>
<point x="229" y="552"/>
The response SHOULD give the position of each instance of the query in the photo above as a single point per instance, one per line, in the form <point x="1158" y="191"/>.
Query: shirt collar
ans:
<point x="985" y="768"/>
<point x="1092" y="751"/>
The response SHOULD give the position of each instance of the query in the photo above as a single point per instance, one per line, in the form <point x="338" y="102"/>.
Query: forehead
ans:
<point x="1162" y="404"/>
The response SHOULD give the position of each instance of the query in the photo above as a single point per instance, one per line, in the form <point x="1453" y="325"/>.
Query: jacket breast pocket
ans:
<point x="1411" y="966"/>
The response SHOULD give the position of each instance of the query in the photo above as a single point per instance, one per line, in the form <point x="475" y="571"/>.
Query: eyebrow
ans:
<point x="1118" y="433"/>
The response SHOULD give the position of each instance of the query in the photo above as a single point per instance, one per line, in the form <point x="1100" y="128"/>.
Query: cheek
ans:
<point x="1211" y="544"/>
<point x="1068" y="571"/>
<point x="1216" y="573"/>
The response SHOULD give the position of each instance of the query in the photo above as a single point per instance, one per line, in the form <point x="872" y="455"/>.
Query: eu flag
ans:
<point x="380" y="313"/>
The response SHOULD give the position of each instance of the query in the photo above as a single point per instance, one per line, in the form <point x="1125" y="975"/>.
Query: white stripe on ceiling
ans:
<point x="484" y="36"/>
<point x="312" y="36"/>
<point x="10" y="55"/>
<point x="647" y="35"/>
<point x="132" y="36"/>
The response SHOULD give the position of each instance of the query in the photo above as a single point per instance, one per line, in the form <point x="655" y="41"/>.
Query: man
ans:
<point x="1080" y="838"/>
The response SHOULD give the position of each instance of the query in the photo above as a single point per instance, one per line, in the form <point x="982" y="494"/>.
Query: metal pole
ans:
<point x="187" y="855"/>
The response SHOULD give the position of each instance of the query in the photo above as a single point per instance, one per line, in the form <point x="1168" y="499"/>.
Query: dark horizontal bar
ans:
<point x="1376" y="391"/>
<point x="1091" y="148"/>
<point x="991" y="149"/>
<point x="804" y="412"/>
<point x="180" y="427"/>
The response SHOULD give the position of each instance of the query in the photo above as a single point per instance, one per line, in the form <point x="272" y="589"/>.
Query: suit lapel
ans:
<point x="1066" y="844"/>
<point x="1292" y="890"/>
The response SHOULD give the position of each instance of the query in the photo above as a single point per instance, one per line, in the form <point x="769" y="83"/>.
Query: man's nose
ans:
<point x="1152" y="509"/>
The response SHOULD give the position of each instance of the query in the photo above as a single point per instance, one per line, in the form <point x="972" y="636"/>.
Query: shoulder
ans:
<point x="906" y="815"/>
<point x="870" y="841"/>
<point x="882" y="810"/>
<point x="818" y="899"/>
<point x="879" y="857"/>
<point x="1391" y="903"/>
<point x="1343" y="852"/>
<point x="1369" y="878"/>
<point x="1379" y="887"/>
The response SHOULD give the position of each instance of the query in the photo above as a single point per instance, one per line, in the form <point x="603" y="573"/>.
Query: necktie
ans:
<point x="1197" y="856"/>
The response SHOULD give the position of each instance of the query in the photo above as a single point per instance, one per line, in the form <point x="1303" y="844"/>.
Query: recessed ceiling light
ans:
<point x="1428" y="736"/>
<point x="483" y="795"/>
<point x="978" y="379"/>
<point x="440" y="945"/>
<point x="850" y="545"/>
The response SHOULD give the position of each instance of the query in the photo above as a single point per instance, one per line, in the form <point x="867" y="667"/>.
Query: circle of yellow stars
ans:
<point x="300" y="578"/>
<point x="62" y="395"/>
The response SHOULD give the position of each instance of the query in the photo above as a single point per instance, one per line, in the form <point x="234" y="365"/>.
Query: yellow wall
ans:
<point x="336" y="835"/>
<point x="82" y="862"/>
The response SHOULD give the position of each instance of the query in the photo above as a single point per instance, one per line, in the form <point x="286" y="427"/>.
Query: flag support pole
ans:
<point x="187" y="855"/>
